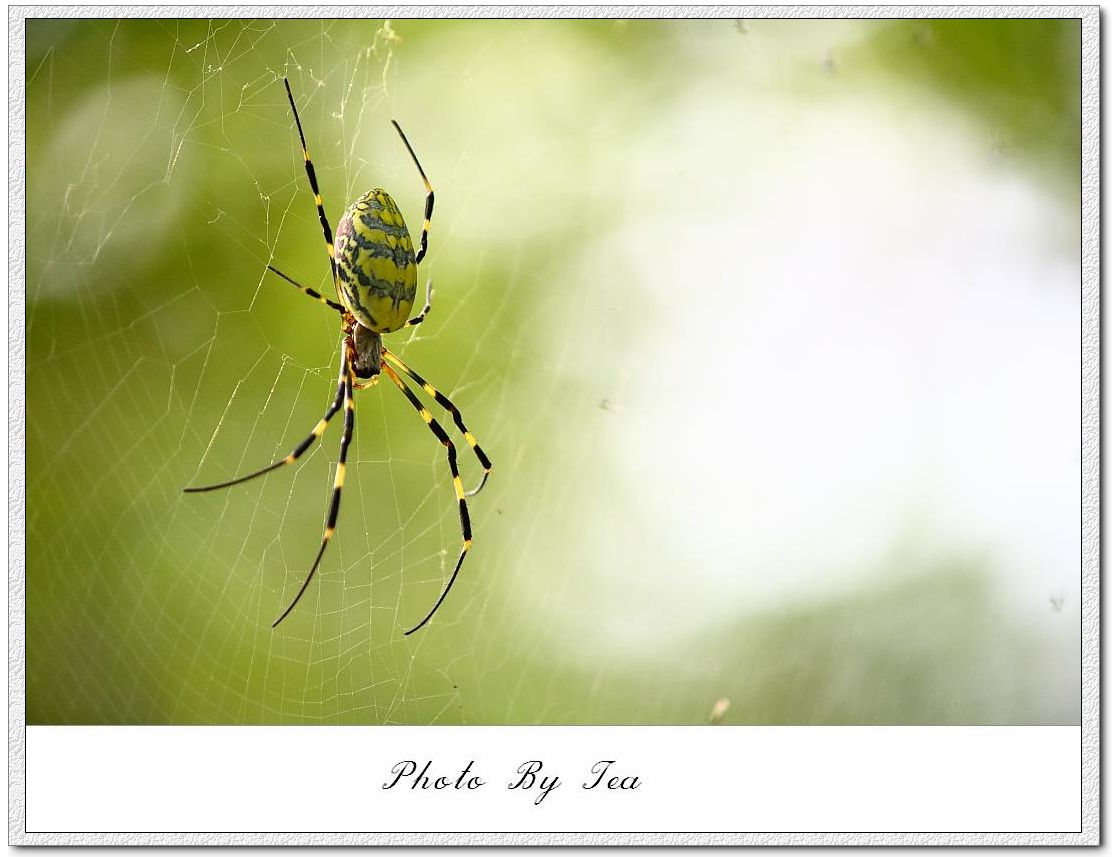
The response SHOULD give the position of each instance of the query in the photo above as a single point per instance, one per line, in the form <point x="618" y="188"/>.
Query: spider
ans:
<point x="374" y="270"/>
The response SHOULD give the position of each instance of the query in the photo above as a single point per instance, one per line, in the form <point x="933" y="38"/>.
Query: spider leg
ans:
<point x="337" y="487"/>
<point x="429" y="196"/>
<point x="417" y="319"/>
<point x="313" y="184"/>
<point x="446" y="403"/>
<point x="299" y="450"/>
<point x="313" y="293"/>
<point x="464" y="518"/>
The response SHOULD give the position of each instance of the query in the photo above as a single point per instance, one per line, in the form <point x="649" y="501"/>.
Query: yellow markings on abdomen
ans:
<point x="375" y="264"/>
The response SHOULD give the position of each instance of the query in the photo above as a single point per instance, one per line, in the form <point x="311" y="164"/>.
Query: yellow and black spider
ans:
<point x="374" y="270"/>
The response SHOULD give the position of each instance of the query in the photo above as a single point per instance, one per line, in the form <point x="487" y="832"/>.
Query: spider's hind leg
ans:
<point x="417" y="319"/>
<point x="313" y="293"/>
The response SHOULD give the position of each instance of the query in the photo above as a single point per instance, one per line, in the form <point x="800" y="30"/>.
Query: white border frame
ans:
<point x="1090" y="414"/>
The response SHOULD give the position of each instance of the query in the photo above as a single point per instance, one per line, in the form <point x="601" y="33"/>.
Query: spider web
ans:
<point x="635" y="262"/>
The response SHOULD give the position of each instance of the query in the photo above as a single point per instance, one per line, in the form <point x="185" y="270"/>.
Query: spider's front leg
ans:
<point x="348" y="377"/>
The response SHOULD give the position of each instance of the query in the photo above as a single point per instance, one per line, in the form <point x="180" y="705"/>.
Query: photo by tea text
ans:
<point x="530" y="776"/>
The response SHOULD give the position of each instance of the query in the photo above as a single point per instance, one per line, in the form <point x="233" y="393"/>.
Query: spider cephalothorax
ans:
<point x="367" y="348"/>
<point x="374" y="270"/>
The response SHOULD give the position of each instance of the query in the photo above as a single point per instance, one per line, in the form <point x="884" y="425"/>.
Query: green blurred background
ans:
<point x="674" y="262"/>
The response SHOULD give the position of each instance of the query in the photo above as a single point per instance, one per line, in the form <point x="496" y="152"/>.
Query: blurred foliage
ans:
<point x="1018" y="77"/>
<point x="163" y="172"/>
<point x="844" y="661"/>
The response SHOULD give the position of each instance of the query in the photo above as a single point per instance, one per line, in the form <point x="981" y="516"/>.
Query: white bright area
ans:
<point x="823" y="332"/>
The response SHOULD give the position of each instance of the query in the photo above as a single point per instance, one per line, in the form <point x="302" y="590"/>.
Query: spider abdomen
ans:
<point x="375" y="265"/>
